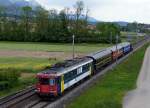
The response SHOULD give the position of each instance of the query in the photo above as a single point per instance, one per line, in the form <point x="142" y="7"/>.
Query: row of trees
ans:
<point x="136" y="27"/>
<point x="40" y="25"/>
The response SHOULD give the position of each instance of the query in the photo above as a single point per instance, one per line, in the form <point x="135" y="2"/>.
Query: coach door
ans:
<point x="62" y="83"/>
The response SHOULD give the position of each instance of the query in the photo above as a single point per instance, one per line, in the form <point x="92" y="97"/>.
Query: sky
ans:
<point x="108" y="10"/>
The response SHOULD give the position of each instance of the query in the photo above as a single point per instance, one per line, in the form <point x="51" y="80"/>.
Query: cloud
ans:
<point x="108" y="10"/>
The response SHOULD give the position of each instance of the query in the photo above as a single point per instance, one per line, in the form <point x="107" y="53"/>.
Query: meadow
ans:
<point x="110" y="89"/>
<point x="51" y="47"/>
<point x="131" y="36"/>
<point x="25" y="64"/>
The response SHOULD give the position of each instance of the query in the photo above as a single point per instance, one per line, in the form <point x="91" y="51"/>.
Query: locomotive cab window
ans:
<point x="52" y="82"/>
<point x="44" y="81"/>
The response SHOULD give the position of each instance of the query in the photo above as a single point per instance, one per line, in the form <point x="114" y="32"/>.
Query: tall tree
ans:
<point x="27" y="15"/>
<point x="64" y="22"/>
<point x="2" y="18"/>
<point x="79" y="7"/>
<point x="108" y="31"/>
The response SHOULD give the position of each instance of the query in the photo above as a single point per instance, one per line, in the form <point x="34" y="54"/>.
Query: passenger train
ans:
<point x="56" y="80"/>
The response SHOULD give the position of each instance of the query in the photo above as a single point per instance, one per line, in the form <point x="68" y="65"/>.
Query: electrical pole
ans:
<point x="73" y="55"/>
<point x="117" y="47"/>
<point x="137" y="32"/>
<point x="111" y="38"/>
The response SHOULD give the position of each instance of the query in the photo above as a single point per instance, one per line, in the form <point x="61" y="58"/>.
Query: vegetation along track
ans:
<point x="28" y="98"/>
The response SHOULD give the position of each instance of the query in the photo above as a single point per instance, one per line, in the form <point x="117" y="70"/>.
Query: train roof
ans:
<point x="67" y="65"/>
<point x="125" y="44"/>
<point x="100" y="54"/>
<point x="119" y="46"/>
<point x="115" y="47"/>
<point x="107" y="51"/>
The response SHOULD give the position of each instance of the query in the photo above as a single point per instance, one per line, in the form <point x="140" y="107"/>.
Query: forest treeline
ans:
<point x="40" y="25"/>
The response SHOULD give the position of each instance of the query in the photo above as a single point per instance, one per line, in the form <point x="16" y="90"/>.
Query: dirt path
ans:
<point x="140" y="97"/>
<point x="37" y="54"/>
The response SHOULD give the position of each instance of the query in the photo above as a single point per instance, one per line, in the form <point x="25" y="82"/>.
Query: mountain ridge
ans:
<point x="19" y="3"/>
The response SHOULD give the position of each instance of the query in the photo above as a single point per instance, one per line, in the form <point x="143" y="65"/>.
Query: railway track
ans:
<point x="40" y="104"/>
<point x="28" y="99"/>
<point x="9" y="101"/>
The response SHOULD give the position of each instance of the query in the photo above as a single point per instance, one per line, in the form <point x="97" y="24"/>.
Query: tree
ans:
<point x="27" y="10"/>
<point x="41" y="24"/>
<point x="132" y="27"/>
<point x="86" y="16"/>
<point x="79" y="7"/>
<point x="2" y="19"/>
<point x="108" y="31"/>
<point x="64" y="23"/>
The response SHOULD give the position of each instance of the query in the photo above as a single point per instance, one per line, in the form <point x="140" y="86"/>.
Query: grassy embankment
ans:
<point x="109" y="91"/>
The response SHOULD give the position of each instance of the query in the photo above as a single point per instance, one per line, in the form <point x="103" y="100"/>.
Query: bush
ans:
<point x="4" y="85"/>
<point x="9" y="75"/>
<point x="8" y="78"/>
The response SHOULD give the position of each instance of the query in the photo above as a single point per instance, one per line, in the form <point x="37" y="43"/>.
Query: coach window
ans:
<point x="65" y="77"/>
<point x="75" y="72"/>
<point x="79" y="70"/>
<point x="86" y="68"/>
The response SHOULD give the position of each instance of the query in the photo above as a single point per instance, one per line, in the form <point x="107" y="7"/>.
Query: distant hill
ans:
<point x="92" y="20"/>
<point x="18" y="3"/>
<point x="5" y="2"/>
<point x="121" y="23"/>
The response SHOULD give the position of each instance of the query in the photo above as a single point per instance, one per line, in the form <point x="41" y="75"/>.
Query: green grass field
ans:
<point x="24" y="64"/>
<point x="109" y="91"/>
<point x="51" y="47"/>
<point x="128" y="33"/>
<point x="133" y="38"/>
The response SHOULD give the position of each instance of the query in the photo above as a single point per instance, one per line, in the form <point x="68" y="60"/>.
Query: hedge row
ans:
<point x="8" y="78"/>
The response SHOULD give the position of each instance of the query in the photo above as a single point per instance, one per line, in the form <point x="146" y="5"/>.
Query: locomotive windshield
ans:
<point x="52" y="82"/>
<point x="47" y="81"/>
<point x="44" y="81"/>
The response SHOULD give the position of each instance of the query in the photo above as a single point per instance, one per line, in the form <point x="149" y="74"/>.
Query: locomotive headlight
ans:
<point x="37" y="90"/>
